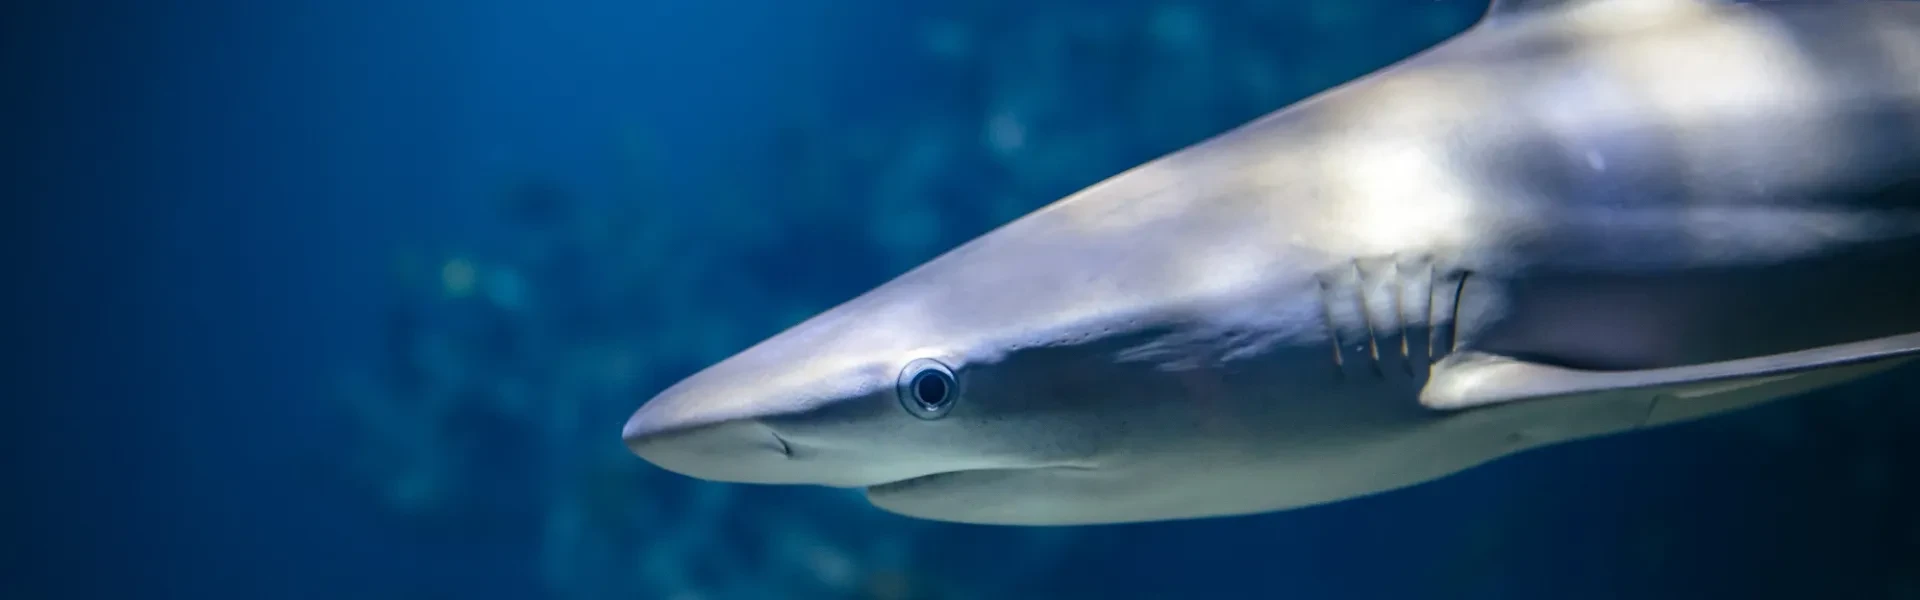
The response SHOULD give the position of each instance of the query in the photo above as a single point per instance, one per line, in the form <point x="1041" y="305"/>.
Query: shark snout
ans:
<point x="687" y="441"/>
<point x="807" y="407"/>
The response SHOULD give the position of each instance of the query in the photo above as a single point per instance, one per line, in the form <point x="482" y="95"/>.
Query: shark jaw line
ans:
<point x="918" y="482"/>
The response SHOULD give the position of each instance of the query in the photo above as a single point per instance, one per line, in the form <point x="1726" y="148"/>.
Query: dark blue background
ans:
<point x="209" y="199"/>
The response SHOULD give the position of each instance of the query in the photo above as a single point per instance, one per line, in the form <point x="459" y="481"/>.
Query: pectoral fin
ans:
<point x="1471" y="379"/>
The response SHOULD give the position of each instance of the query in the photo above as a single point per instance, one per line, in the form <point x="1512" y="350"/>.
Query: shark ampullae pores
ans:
<point x="1577" y="218"/>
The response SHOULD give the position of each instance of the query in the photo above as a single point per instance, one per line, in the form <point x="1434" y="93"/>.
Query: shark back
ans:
<point x="1619" y="183"/>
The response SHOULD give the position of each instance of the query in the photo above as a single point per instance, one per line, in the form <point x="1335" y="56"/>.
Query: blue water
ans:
<point x="221" y="204"/>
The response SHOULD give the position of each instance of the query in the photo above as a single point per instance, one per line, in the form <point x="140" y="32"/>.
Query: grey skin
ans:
<point x="1577" y="218"/>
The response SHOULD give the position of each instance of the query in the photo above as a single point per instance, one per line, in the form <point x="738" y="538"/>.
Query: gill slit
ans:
<point x="1399" y="293"/>
<point x="1333" y="328"/>
<point x="1366" y="315"/>
<point x="1443" y="313"/>
<point x="1355" y="287"/>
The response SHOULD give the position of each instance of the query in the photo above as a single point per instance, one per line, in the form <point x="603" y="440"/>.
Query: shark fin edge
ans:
<point x="1471" y="379"/>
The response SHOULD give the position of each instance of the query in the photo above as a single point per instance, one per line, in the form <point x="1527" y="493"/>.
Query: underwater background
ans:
<point x="350" y="299"/>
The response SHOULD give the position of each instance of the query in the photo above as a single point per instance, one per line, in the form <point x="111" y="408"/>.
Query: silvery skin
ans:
<point x="1578" y="218"/>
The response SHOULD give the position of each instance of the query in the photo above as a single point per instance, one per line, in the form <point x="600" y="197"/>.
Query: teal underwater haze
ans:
<point x="350" y="300"/>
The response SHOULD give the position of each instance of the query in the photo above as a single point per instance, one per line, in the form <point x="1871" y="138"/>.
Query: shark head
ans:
<point x="1068" y="367"/>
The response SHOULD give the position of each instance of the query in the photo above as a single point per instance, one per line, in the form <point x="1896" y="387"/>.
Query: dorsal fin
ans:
<point x="1509" y="9"/>
<point x="1501" y="9"/>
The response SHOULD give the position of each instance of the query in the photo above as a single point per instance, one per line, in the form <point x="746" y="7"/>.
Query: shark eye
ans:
<point x="927" y="389"/>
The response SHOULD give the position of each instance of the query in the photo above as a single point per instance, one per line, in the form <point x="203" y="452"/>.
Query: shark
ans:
<point x="1575" y="219"/>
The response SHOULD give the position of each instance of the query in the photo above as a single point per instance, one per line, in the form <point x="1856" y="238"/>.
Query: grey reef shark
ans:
<point x="1576" y="218"/>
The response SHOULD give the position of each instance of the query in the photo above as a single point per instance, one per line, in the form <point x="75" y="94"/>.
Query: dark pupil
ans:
<point x="932" y="389"/>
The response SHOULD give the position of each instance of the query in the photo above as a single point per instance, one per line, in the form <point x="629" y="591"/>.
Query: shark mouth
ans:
<point x="965" y="478"/>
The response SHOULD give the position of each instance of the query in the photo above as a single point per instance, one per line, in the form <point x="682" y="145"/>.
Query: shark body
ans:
<point x="1577" y="218"/>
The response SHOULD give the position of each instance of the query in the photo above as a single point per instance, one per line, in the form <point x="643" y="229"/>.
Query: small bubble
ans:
<point x="1005" y="133"/>
<point x="458" y="277"/>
